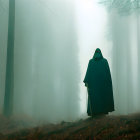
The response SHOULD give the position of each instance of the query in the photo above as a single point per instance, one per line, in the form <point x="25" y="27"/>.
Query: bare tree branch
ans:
<point x="123" y="6"/>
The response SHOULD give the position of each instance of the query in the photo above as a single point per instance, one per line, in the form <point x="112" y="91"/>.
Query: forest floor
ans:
<point x="100" y="128"/>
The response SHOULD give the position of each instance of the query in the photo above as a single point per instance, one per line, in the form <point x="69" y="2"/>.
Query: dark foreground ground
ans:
<point x="101" y="128"/>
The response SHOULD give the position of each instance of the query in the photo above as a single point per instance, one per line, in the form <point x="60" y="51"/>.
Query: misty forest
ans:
<point x="45" y="47"/>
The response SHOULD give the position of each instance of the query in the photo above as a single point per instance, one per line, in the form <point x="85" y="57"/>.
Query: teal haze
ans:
<point x="54" y="41"/>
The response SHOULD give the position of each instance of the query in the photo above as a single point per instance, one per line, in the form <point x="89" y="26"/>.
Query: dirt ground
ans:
<point x="99" y="128"/>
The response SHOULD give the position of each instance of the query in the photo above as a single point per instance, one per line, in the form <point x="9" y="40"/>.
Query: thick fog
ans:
<point x="116" y="31"/>
<point x="54" y="41"/>
<point x="46" y="66"/>
<point x="124" y="31"/>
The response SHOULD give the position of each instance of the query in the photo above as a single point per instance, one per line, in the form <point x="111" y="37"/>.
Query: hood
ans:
<point x="98" y="54"/>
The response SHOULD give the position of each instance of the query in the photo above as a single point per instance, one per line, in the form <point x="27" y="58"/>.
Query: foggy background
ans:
<point x="54" y="41"/>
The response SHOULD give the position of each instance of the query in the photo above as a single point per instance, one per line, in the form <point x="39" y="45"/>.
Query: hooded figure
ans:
<point x="99" y="84"/>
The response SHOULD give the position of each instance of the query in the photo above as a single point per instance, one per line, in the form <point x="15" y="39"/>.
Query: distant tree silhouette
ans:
<point x="9" y="81"/>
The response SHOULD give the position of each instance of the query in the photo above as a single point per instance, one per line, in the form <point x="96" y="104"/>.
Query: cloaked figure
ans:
<point x="99" y="84"/>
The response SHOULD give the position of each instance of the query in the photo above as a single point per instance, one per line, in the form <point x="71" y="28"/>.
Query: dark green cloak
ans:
<point x="100" y="91"/>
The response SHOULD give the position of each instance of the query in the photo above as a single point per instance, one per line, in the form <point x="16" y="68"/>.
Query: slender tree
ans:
<point x="9" y="81"/>
<point x="138" y="46"/>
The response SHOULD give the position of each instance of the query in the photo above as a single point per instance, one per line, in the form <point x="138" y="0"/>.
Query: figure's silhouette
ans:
<point x="99" y="84"/>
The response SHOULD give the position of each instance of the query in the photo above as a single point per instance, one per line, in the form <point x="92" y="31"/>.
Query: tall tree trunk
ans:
<point x="9" y="82"/>
<point x="138" y="48"/>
